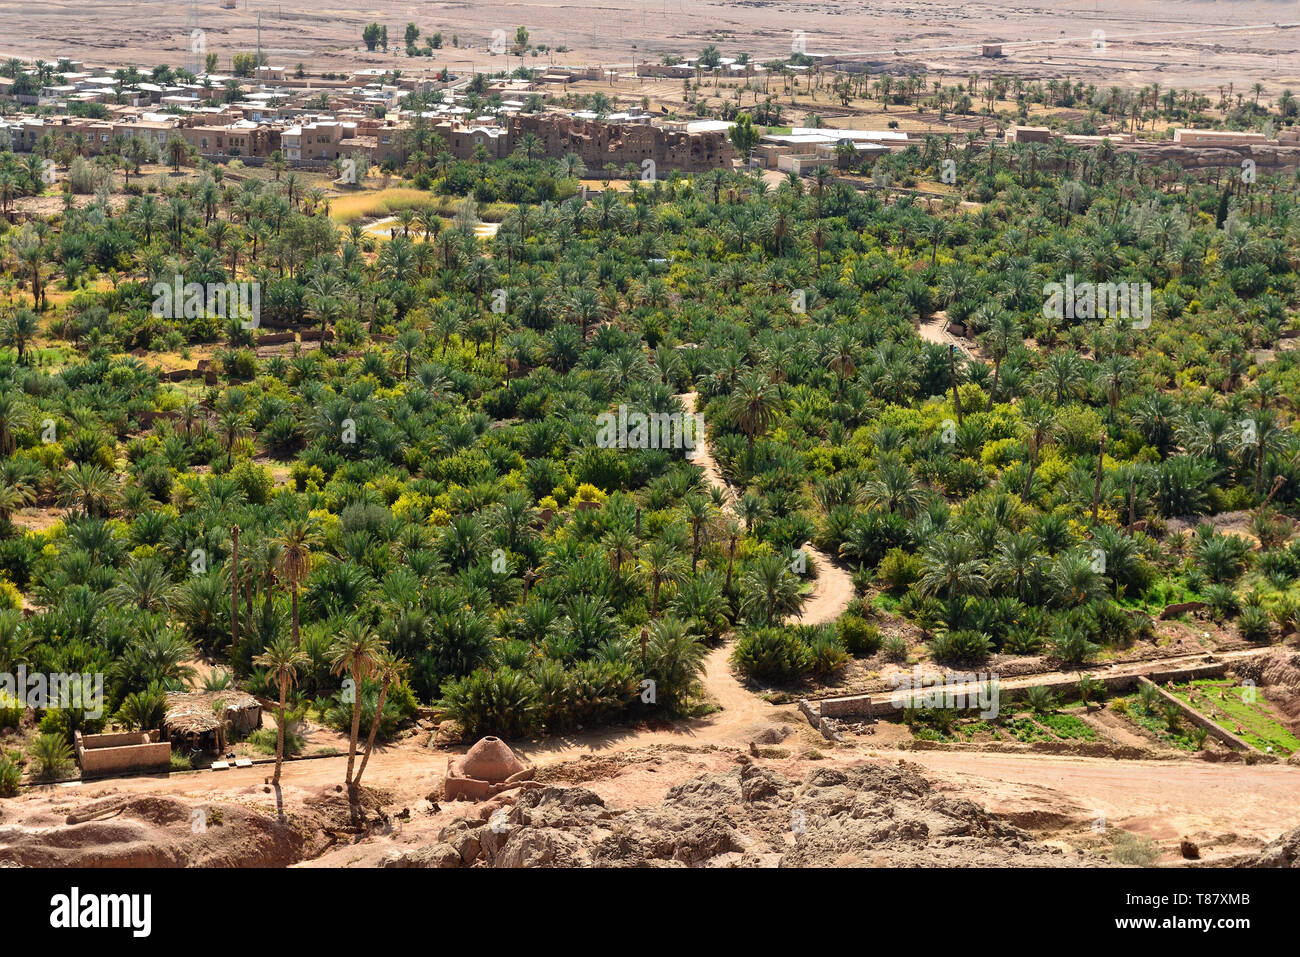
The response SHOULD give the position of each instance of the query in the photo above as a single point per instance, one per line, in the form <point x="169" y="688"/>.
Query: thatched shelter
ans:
<point x="201" y="719"/>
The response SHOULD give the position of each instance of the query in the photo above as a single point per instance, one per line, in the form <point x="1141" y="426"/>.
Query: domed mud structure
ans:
<point x="488" y="768"/>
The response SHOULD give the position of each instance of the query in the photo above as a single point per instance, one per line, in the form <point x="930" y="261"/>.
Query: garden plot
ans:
<point x="1245" y="711"/>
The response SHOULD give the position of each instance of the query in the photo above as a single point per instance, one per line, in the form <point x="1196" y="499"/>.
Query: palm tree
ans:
<point x="1003" y="331"/>
<point x="1018" y="563"/>
<point x="20" y="328"/>
<point x="950" y="568"/>
<point x="699" y="512"/>
<point x="619" y="541"/>
<point x="893" y="487"/>
<point x="90" y="486"/>
<point x="407" y="344"/>
<point x="355" y="652"/>
<point x="770" y="590"/>
<point x="754" y="405"/>
<point x="390" y="668"/>
<point x="13" y="496"/>
<point x="231" y="426"/>
<point x="177" y="152"/>
<point x="1264" y="435"/>
<point x="750" y="508"/>
<point x="296" y="542"/>
<point x="282" y="658"/>
<point x="144" y="584"/>
<point x="659" y="563"/>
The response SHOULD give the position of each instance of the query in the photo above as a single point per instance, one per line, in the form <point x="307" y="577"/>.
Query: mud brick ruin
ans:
<point x="622" y="143"/>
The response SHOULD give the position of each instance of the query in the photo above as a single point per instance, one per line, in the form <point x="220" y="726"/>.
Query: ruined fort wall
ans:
<point x="622" y="143"/>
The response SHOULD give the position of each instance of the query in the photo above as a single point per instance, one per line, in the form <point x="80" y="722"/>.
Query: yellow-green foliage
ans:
<point x="10" y="596"/>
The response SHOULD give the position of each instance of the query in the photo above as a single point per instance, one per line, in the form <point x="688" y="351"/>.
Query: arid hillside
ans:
<point x="1175" y="42"/>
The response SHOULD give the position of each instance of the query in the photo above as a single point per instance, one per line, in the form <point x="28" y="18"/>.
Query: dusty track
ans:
<point x="832" y="589"/>
<point x="1162" y="800"/>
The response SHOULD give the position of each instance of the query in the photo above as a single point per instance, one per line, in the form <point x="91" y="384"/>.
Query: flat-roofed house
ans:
<point x="1186" y="137"/>
<point x="1029" y="134"/>
<point x="241" y="138"/>
<point x="154" y="132"/>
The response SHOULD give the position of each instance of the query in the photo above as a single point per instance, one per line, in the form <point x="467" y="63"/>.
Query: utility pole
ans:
<point x="259" y="49"/>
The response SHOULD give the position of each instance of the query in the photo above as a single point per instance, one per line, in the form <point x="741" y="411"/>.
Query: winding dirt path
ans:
<point x="832" y="589"/>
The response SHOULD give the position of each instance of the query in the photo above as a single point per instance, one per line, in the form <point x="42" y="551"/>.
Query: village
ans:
<point x="281" y="115"/>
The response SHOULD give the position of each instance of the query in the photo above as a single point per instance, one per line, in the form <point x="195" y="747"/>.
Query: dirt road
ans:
<point x="1162" y="800"/>
<point x="832" y="589"/>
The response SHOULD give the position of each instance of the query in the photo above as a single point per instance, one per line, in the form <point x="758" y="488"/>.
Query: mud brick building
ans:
<point x="622" y="143"/>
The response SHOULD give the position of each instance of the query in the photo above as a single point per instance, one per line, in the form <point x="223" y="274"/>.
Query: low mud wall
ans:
<point x="114" y="753"/>
<point x="882" y="704"/>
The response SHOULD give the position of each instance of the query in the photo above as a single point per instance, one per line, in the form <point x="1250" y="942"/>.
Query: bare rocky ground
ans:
<point x="751" y="816"/>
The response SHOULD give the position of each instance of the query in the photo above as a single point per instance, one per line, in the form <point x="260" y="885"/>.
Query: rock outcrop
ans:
<point x="752" y="817"/>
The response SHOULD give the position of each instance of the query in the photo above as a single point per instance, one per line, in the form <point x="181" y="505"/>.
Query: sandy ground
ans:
<point x="1162" y="800"/>
<point x="935" y="330"/>
<point x="1176" y="42"/>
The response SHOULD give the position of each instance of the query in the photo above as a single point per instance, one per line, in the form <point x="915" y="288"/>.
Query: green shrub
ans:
<point x="898" y="570"/>
<point x="11" y="711"/>
<point x="264" y="739"/>
<point x="772" y="654"/>
<point x="181" y="762"/>
<point x="825" y="650"/>
<point x="143" y="710"/>
<point x="961" y="646"/>
<point x="675" y="662"/>
<point x="895" y="648"/>
<point x="1129" y="848"/>
<point x="1253" y="625"/>
<point x="1222" y="601"/>
<point x="1040" y="699"/>
<point x="858" y="636"/>
<point x="11" y="775"/>
<point x="52" y="756"/>
<point x="503" y="702"/>
<point x="1022" y="641"/>
<point x="1072" y="646"/>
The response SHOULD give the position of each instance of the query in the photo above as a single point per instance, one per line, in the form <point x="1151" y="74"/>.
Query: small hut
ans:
<point x="201" y="720"/>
